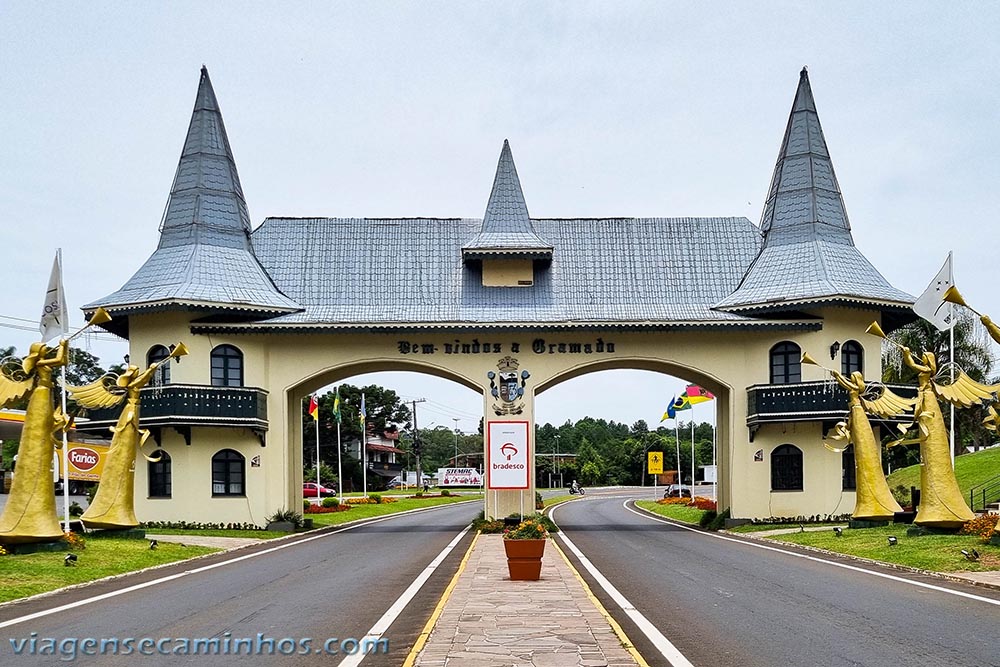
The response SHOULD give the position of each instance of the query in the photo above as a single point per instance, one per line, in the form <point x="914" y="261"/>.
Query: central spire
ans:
<point x="507" y="229"/>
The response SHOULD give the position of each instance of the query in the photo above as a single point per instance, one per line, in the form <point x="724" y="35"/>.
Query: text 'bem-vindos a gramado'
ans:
<point x="538" y="346"/>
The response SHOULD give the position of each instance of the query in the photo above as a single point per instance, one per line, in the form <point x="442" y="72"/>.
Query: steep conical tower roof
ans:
<point x="808" y="256"/>
<point x="204" y="259"/>
<point x="507" y="229"/>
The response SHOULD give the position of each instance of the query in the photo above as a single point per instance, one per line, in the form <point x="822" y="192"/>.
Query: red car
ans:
<point x="309" y="490"/>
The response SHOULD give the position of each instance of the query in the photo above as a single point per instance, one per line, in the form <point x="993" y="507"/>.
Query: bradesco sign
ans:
<point x="507" y="465"/>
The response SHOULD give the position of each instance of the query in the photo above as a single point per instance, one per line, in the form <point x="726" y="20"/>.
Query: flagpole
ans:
<point x="318" y="484"/>
<point x="677" y="446"/>
<point x="65" y="452"/>
<point x="692" y="452"/>
<point x="951" y="366"/>
<point x="340" y="474"/>
<point x="65" y="431"/>
<point x="364" y="446"/>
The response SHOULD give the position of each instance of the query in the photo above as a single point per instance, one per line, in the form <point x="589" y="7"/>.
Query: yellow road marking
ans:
<point x="626" y="642"/>
<point x="418" y="645"/>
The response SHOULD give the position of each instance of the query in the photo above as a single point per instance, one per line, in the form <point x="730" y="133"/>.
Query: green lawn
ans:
<point x="937" y="553"/>
<point x="29" y="574"/>
<point x="558" y="499"/>
<point x="677" y="512"/>
<point x="970" y="470"/>
<point x="369" y="511"/>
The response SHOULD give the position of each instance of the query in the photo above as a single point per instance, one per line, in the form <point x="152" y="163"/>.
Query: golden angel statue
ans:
<point x="942" y="504"/>
<point x="114" y="505"/>
<point x="30" y="512"/>
<point x="992" y="421"/>
<point x="874" y="501"/>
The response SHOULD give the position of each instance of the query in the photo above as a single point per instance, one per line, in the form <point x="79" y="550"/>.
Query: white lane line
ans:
<point x="382" y="624"/>
<point x="172" y="577"/>
<point x="815" y="559"/>
<point x="667" y="649"/>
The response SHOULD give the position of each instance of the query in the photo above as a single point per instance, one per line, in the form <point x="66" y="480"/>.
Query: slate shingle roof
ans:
<point x="808" y="256"/>
<point x="388" y="272"/>
<point x="204" y="257"/>
<point x="367" y="273"/>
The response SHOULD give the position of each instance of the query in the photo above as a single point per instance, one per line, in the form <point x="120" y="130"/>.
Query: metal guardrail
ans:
<point x="984" y="494"/>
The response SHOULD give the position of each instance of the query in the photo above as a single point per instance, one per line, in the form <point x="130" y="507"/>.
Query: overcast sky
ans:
<point x="392" y="109"/>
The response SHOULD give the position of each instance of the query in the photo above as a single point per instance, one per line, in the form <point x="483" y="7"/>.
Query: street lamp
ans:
<point x="455" y="419"/>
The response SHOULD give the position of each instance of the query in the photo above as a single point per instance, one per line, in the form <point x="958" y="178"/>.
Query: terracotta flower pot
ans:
<point x="524" y="559"/>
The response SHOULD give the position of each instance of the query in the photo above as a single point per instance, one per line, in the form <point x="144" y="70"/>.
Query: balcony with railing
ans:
<point x="182" y="406"/>
<point x="807" y="401"/>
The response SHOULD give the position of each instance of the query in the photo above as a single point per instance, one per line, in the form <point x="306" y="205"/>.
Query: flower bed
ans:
<point x="319" y="509"/>
<point x="981" y="525"/>
<point x="697" y="502"/>
<point x="371" y="500"/>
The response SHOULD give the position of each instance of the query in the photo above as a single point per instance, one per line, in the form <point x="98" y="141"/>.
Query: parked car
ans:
<point x="309" y="490"/>
<point x="677" y="491"/>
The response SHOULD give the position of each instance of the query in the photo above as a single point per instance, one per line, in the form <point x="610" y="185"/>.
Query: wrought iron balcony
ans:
<point x="806" y="401"/>
<point x="182" y="406"/>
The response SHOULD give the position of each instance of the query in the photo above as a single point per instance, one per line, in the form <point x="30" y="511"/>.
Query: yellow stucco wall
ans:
<point x="508" y="272"/>
<point x="290" y="367"/>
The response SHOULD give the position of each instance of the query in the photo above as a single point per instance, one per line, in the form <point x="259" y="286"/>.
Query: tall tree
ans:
<point x="971" y="354"/>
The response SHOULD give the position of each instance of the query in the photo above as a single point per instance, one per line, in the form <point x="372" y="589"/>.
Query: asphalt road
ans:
<point x="727" y="603"/>
<point x="338" y="585"/>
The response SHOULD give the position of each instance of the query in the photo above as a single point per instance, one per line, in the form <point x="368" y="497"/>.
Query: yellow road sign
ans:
<point x="655" y="463"/>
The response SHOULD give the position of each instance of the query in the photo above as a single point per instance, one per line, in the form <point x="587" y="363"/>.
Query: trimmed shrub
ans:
<point x="283" y="515"/>
<point x="330" y="502"/>
<point x="445" y="493"/>
<point x="719" y="522"/>
<point x="376" y="498"/>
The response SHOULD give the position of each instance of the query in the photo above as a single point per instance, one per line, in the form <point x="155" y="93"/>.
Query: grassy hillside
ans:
<point x="970" y="470"/>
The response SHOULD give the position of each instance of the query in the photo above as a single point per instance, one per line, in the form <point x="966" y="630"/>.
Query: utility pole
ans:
<point x="416" y="442"/>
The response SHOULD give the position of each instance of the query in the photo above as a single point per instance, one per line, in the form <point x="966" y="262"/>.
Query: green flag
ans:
<point x="336" y="405"/>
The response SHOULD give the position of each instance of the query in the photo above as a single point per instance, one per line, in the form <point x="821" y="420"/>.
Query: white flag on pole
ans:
<point x="930" y="305"/>
<point x="55" y="315"/>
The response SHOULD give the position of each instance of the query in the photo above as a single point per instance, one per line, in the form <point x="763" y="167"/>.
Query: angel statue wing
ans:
<point x="965" y="392"/>
<point x="14" y="382"/>
<point x="101" y="393"/>
<point x="887" y="403"/>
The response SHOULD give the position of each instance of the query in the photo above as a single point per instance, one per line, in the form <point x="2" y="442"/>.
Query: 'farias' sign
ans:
<point x="86" y="462"/>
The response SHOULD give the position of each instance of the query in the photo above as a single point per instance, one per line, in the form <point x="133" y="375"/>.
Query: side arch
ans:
<point x="726" y="398"/>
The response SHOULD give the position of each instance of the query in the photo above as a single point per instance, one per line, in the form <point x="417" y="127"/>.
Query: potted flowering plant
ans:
<point x="524" y="546"/>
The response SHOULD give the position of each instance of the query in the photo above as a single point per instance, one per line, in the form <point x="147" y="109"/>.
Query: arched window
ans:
<point x="786" y="468"/>
<point x="786" y="363"/>
<point x="227" y="367"/>
<point x="852" y="358"/>
<point x="159" y="476"/>
<point x="156" y="354"/>
<point x="228" y="473"/>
